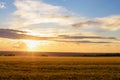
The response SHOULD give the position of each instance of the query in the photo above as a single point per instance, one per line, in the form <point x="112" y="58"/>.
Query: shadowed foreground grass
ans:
<point x="59" y="68"/>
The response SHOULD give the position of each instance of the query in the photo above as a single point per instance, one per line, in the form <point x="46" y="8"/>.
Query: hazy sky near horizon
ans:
<point x="60" y="25"/>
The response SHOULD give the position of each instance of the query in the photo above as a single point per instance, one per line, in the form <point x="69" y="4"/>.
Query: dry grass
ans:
<point x="59" y="68"/>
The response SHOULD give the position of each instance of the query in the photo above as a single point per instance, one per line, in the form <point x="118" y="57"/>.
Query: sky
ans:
<point x="60" y="25"/>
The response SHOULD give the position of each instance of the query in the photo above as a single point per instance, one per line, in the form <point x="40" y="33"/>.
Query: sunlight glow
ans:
<point x="31" y="44"/>
<point x="45" y="34"/>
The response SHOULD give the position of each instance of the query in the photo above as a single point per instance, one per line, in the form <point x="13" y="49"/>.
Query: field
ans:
<point x="59" y="68"/>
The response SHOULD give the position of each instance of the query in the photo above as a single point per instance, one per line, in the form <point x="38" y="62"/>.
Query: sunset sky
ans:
<point x="60" y="25"/>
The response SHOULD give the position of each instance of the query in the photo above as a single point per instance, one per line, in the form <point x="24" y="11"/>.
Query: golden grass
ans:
<point x="59" y="68"/>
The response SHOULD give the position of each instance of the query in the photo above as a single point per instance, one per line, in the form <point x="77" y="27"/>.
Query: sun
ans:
<point x="31" y="44"/>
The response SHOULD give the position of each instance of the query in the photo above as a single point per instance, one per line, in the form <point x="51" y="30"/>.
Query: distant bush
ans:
<point x="44" y="55"/>
<point x="9" y="55"/>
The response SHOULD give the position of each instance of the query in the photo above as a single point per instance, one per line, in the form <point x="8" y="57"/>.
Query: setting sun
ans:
<point x="31" y="44"/>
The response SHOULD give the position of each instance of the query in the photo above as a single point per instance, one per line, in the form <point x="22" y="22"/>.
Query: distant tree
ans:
<point x="9" y="55"/>
<point x="44" y="55"/>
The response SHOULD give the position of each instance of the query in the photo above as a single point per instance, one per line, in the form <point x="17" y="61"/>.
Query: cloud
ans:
<point x="2" y="5"/>
<point x="20" y="45"/>
<point x="17" y="34"/>
<point x="86" y="37"/>
<point x="84" y="41"/>
<point x="108" y="23"/>
<point x="31" y="12"/>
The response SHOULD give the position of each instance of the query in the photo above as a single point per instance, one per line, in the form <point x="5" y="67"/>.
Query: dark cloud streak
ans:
<point x="86" y="37"/>
<point x="17" y="34"/>
<point x="84" y="41"/>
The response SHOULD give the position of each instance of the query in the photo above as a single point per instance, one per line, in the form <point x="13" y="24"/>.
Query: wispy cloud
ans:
<point x="108" y="23"/>
<point x="31" y="12"/>
<point x="17" y="34"/>
<point x="2" y="5"/>
<point x="86" y="37"/>
<point x="84" y="41"/>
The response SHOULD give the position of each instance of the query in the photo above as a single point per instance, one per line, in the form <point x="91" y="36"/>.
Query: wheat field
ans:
<point x="59" y="68"/>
